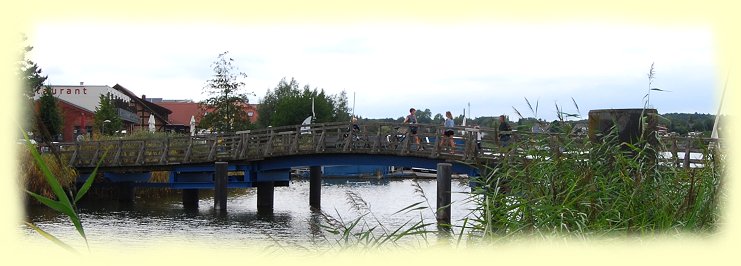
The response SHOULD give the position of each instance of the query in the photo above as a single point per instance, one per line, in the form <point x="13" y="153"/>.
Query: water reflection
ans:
<point x="291" y="222"/>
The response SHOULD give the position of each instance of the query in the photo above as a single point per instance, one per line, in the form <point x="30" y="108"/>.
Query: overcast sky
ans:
<point x="391" y="67"/>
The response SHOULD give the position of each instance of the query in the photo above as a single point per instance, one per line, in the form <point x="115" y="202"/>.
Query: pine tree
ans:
<point x="341" y="109"/>
<point x="29" y="73"/>
<point x="224" y="107"/>
<point x="49" y="116"/>
<point x="31" y="79"/>
<point x="106" y="111"/>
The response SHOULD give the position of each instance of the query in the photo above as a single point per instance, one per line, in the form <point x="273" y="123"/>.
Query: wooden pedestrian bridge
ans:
<point x="331" y="144"/>
<point x="264" y="158"/>
<point x="376" y="141"/>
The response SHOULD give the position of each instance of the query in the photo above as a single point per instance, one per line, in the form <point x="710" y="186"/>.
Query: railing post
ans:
<point x="688" y="151"/>
<point x="220" y="180"/>
<point x="675" y="153"/>
<point x="444" y="173"/>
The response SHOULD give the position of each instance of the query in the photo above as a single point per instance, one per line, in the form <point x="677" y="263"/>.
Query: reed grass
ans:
<point x="62" y="202"/>
<point x="567" y="186"/>
<point x="33" y="179"/>
<point x="367" y="232"/>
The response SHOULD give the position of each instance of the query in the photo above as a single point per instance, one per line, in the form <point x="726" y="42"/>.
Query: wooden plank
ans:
<point x="117" y="157"/>
<point x="319" y="146"/>
<point x="73" y="160"/>
<point x="269" y="145"/>
<point x="140" y="155"/>
<point x="295" y="144"/>
<point x="245" y="141"/>
<point x="165" y="150"/>
<point x="95" y="155"/>
<point x="212" y="151"/>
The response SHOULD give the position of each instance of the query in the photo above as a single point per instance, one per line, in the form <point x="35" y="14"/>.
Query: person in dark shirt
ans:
<point x="412" y="120"/>
<point x="504" y="126"/>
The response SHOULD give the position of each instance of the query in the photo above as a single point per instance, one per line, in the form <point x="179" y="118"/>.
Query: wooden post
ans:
<point x="444" y="172"/>
<point x="675" y="152"/>
<point x="315" y="186"/>
<point x="688" y="151"/>
<point x="220" y="179"/>
<point x="265" y="192"/>
<point x="125" y="192"/>
<point x="190" y="198"/>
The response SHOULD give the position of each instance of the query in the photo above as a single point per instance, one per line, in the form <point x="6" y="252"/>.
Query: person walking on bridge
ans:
<point x="504" y="131"/>
<point x="449" y="131"/>
<point x="412" y="120"/>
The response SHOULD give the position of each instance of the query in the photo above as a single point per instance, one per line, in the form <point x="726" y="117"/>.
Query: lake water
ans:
<point x="292" y="223"/>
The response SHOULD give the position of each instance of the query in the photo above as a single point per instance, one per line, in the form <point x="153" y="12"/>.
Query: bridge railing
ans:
<point x="471" y="145"/>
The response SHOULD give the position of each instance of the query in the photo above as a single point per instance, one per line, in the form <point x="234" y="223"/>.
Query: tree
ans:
<point x="29" y="73"/>
<point x="224" y="107"/>
<point x="341" y="110"/>
<point x="288" y="105"/>
<point x="424" y="116"/>
<point x="49" y="116"/>
<point x="31" y="79"/>
<point x="106" y="111"/>
<point x="439" y="119"/>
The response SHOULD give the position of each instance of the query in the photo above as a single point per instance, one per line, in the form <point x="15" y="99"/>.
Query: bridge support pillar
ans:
<point x="444" y="172"/>
<point x="220" y="180"/>
<point x="315" y="187"/>
<point x="125" y="191"/>
<point x="190" y="198"/>
<point x="265" y="192"/>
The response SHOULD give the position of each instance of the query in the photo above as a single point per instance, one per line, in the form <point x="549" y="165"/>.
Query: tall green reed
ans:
<point x="62" y="204"/>
<point x="368" y="232"/>
<point x="567" y="185"/>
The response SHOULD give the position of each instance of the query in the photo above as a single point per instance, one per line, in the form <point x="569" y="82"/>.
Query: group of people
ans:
<point x="449" y="132"/>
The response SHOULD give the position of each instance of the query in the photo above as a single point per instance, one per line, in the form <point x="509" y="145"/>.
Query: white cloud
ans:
<point x="392" y="67"/>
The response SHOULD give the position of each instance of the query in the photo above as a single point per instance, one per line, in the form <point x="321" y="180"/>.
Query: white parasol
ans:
<point x="192" y="125"/>
<point x="151" y="123"/>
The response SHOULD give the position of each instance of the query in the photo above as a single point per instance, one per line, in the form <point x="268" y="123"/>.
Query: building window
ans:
<point x="250" y="114"/>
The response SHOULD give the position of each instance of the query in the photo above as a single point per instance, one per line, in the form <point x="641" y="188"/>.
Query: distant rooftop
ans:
<point x="161" y="100"/>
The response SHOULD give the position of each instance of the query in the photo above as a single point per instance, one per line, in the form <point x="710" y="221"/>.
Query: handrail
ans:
<point x="373" y="138"/>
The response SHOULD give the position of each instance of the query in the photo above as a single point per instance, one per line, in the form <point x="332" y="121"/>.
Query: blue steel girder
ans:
<point x="287" y="162"/>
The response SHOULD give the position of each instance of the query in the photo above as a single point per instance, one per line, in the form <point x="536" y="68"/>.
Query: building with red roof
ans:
<point x="183" y="110"/>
